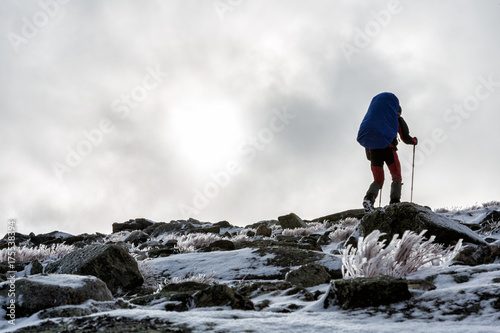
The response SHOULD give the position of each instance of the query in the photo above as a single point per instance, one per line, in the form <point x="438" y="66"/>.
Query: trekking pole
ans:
<point x="380" y="199"/>
<point x="412" y="173"/>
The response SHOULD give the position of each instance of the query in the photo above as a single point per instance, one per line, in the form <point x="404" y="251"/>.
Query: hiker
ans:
<point x="378" y="134"/>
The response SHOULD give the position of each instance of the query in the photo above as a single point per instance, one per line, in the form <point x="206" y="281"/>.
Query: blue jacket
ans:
<point x="380" y="124"/>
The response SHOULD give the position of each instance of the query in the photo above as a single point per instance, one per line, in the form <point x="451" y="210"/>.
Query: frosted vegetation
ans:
<point x="400" y="258"/>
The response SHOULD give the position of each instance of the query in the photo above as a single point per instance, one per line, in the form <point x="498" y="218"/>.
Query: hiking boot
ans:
<point x="370" y="196"/>
<point x="396" y="192"/>
<point x="368" y="206"/>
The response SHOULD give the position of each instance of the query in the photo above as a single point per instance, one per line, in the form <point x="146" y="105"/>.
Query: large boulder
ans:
<point x="365" y="292"/>
<point x="39" y="292"/>
<point x="397" y="218"/>
<point x="308" y="275"/>
<point x="131" y="225"/>
<point x="337" y="217"/>
<point x="291" y="221"/>
<point x="109" y="262"/>
<point x="221" y="295"/>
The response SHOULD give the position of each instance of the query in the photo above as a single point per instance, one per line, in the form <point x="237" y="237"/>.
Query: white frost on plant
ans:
<point x="344" y="229"/>
<point x="312" y="227"/>
<point x="402" y="257"/>
<point x="41" y="253"/>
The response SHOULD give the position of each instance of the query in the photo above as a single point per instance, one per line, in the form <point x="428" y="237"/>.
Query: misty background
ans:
<point x="237" y="110"/>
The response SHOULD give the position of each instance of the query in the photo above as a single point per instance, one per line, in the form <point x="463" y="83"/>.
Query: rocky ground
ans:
<point x="276" y="275"/>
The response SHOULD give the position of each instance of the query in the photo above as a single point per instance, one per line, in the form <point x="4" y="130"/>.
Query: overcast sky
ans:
<point x="237" y="110"/>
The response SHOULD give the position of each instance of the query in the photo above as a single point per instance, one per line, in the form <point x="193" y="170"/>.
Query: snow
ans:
<point x="227" y="265"/>
<point x="456" y="288"/>
<point x="62" y="280"/>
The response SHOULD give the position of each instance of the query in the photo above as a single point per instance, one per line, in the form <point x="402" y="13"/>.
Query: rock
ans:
<point x="308" y="275"/>
<point x="473" y="255"/>
<point x="263" y="230"/>
<point x="257" y="288"/>
<point x="334" y="218"/>
<point x="17" y="238"/>
<point x="178" y="295"/>
<point x="291" y="221"/>
<point x="39" y="292"/>
<point x="110" y="263"/>
<point x="54" y="237"/>
<point x="490" y="223"/>
<point x="220" y="245"/>
<point x="223" y="224"/>
<point x="34" y="267"/>
<point x="365" y="292"/>
<point x="182" y="226"/>
<point x="136" y="237"/>
<point x="162" y="251"/>
<point x="222" y="295"/>
<point x="93" y="306"/>
<point x="131" y="225"/>
<point x="397" y="218"/>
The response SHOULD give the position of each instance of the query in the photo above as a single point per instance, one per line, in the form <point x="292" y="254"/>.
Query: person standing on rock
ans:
<point x="378" y="134"/>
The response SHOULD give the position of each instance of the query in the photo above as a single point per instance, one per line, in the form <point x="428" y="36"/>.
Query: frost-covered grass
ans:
<point x="456" y="209"/>
<point x="339" y="231"/>
<point x="195" y="241"/>
<point x="400" y="258"/>
<point x="312" y="228"/>
<point x="344" y="229"/>
<point x="41" y="253"/>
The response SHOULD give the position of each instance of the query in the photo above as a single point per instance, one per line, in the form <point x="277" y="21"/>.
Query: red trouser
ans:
<point x="388" y="156"/>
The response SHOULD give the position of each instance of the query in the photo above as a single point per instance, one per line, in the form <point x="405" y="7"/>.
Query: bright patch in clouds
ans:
<point x="206" y="133"/>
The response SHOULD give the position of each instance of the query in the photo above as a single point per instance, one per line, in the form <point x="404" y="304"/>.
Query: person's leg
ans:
<point x="377" y="167"/>
<point x="395" y="169"/>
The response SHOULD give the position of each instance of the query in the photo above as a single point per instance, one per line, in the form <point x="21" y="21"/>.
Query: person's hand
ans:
<point x="415" y="141"/>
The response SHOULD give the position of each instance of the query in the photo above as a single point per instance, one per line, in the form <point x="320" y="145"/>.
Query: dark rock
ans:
<point x="17" y="238"/>
<point x="263" y="230"/>
<point x="312" y="241"/>
<point x="136" y="237"/>
<point x="208" y="229"/>
<point x="162" y="251"/>
<point x="220" y="245"/>
<point x="325" y="238"/>
<point x="178" y="295"/>
<point x="182" y="226"/>
<point x="490" y="223"/>
<point x="18" y="266"/>
<point x="223" y="224"/>
<point x="291" y="221"/>
<point x="35" y="267"/>
<point x="474" y="255"/>
<point x="84" y="239"/>
<point x="255" y="289"/>
<point x="308" y="275"/>
<point x="111" y="263"/>
<point x="337" y="217"/>
<point x="268" y="223"/>
<point x="365" y="292"/>
<point x="54" y="237"/>
<point x="131" y="225"/>
<point x="398" y="218"/>
<point x="421" y="284"/>
<point x="222" y="295"/>
<point x="109" y="324"/>
<point x="68" y="311"/>
<point x="38" y="292"/>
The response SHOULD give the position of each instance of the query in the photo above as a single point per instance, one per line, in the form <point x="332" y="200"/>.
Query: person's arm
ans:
<point x="404" y="133"/>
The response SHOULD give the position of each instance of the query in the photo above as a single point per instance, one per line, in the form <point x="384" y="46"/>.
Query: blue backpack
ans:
<point x="380" y="124"/>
